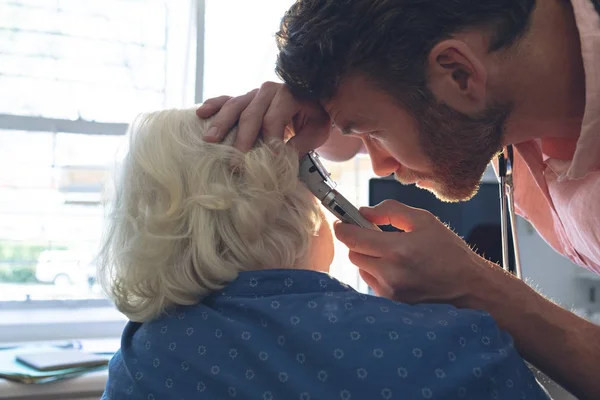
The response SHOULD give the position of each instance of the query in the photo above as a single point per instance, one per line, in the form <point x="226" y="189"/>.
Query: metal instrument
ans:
<point x="319" y="182"/>
<point x="507" y="210"/>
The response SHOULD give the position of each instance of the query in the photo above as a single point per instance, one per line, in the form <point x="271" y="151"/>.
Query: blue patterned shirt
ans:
<point x="295" y="334"/>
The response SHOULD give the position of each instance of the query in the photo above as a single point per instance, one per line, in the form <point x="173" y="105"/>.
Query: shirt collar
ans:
<point x="281" y="281"/>
<point x="587" y="153"/>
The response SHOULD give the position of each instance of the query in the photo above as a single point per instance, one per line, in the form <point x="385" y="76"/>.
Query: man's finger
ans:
<point x="251" y="118"/>
<point x="211" y="106"/>
<point x="370" y="280"/>
<point x="364" y="241"/>
<point x="392" y="212"/>
<point x="280" y="114"/>
<point x="312" y="130"/>
<point x="365" y="263"/>
<point x="227" y="117"/>
<point x="303" y="144"/>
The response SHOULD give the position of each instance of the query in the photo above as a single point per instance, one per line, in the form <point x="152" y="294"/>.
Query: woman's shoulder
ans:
<point x="427" y="314"/>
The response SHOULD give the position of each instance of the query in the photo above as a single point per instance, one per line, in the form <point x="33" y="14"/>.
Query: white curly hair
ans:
<point x="188" y="215"/>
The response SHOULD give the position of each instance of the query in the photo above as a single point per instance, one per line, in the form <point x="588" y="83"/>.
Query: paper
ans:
<point x="13" y="370"/>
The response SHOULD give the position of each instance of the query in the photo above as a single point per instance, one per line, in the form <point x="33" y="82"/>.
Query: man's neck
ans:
<point x="545" y="79"/>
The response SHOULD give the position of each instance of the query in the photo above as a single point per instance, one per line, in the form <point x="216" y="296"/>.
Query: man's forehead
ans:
<point x="359" y="106"/>
<point x="356" y="98"/>
<point x="344" y="113"/>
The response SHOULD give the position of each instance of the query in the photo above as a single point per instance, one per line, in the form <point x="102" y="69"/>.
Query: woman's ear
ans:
<point x="457" y="77"/>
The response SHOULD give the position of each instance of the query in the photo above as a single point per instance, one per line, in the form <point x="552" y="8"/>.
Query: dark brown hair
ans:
<point x="320" y="41"/>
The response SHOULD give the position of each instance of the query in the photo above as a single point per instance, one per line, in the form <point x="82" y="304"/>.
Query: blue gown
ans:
<point x="296" y="334"/>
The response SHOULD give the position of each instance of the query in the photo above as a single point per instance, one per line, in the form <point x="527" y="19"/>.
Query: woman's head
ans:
<point x="189" y="215"/>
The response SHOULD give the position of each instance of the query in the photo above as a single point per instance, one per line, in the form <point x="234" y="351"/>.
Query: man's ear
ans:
<point x="457" y="77"/>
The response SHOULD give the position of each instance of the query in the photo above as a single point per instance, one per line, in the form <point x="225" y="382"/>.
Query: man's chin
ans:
<point x="442" y="191"/>
<point x="423" y="184"/>
<point x="449" y="194"/>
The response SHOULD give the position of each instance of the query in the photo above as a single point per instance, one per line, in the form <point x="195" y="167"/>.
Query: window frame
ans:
<point x="17" y="321"/>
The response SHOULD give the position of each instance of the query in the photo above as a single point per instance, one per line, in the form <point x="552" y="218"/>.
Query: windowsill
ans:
<point x="88" y="386"/>
<point x="49" y="324"/>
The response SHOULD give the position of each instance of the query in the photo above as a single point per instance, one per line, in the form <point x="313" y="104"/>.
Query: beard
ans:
<point x="459" y="147"/>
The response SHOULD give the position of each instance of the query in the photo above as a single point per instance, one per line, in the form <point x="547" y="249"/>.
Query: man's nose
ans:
<point x="382" y="162"/>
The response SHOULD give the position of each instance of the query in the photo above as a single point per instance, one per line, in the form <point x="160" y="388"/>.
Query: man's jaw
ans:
<point x="438" y="189"/>
<point x="410" y="178"/>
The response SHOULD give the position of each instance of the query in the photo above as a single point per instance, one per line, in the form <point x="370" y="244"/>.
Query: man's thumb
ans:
<point x="392" y="212"/>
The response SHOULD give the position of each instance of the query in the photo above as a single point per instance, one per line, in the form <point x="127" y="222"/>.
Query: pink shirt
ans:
<point x="562" y="198"/>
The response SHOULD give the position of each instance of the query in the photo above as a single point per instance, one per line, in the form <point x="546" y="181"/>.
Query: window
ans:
<point x="73" y="74"/>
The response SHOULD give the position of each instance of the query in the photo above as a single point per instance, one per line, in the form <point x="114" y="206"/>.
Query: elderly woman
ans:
<point x="220" y="260"/>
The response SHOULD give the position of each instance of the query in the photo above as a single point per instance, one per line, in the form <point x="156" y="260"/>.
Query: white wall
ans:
<point x="552" y="274"/>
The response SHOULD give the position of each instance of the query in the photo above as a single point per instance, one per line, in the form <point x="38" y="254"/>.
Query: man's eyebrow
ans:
<point x="347" y="127"/>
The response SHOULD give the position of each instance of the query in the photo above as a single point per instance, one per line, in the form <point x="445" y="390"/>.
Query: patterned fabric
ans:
<point x="294" y="334"/>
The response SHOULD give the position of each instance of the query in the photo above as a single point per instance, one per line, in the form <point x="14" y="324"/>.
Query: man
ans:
<point x="433" y="90"/>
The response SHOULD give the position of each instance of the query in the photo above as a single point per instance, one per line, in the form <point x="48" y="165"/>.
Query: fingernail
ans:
<point x="211" y="133"/>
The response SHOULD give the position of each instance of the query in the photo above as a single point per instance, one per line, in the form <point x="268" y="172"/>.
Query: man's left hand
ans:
<point x="425" y="263"/>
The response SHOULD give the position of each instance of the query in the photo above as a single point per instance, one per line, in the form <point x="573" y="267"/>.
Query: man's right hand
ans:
<point x="272" y="111"/>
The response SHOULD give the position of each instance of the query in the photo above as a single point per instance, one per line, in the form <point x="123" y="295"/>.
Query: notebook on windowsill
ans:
<point x="41" y="364"/>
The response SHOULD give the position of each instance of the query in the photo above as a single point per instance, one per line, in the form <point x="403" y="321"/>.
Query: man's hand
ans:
<point x="425" y="263"/>
<point x="271" y="111"/>
<point x="429" y="263"/>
